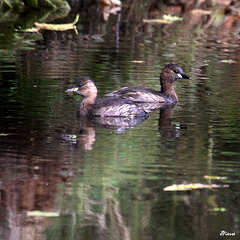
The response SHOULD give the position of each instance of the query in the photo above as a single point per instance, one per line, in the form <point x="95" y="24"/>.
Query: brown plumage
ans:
<point x="105" y="107"/>
<point x="167" y="95"/>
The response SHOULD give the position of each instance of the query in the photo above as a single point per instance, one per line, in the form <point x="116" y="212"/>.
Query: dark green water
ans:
<point x="108" y="183"/>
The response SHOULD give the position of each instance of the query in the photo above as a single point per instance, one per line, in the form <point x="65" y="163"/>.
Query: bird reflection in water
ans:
<point x="87" y="134"/>
<point x="165" y="125"/>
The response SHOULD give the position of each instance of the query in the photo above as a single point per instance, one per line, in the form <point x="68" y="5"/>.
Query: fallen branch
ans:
<point x="55" y="27"/>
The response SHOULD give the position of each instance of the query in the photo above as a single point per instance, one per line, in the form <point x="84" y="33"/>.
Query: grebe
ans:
<point x="167" y="95"/>
<point x="105" y="107"/>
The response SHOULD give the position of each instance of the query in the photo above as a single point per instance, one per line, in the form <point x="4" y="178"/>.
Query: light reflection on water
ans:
<point x="108" y="183"/>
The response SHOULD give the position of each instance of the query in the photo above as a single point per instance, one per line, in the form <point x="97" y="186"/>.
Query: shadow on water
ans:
<point x="115" y="189"/>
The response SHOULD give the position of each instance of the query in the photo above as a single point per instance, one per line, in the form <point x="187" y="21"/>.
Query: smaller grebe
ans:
<point x="105" y="107"/>
<point x="167" y="95"/>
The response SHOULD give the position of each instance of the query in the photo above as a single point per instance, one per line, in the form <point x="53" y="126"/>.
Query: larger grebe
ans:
<point x="167" y="95"/>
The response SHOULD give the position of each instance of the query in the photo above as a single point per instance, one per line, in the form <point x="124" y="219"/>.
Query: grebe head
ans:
<point x="85" y="87"/>
<point x="171" y="73"/>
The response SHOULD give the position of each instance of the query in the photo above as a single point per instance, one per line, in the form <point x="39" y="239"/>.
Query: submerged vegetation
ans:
<point x="20" y="4"/>
<point x="24" y="13"/>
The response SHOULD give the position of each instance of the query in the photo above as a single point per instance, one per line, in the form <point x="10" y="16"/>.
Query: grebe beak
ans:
<point x="184" y="76"/>
<point x="73" y="89"/>
<point x="70" y="91"/>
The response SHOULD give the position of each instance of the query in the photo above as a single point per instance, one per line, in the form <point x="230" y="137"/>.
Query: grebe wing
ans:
<point x="138" y="94"/>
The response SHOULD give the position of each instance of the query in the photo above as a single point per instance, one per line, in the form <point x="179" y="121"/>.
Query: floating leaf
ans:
<point x="57" y="27"/>
<point x="3" y="134"/>
<point x="191" y="186"/>
<point x="214" y="177"/>
<point x="200" y="12"/>
<point x="42" y="214"/>
<point x="136" y="61"/>
<point x="160" y="21"/>
<point x="218" y="209"/>
<point x="172" y="18"/>
<point x="228" y="61"/>
<point x="31" y="30"/>
<point x="167" y="19"/>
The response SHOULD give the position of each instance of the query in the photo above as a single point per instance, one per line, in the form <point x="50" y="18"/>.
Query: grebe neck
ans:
<point x="168" y="89"/>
